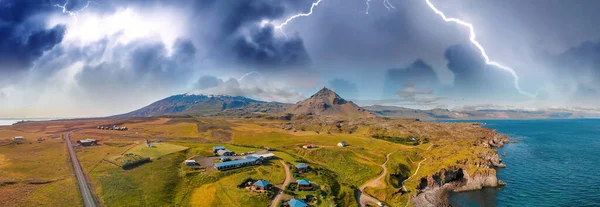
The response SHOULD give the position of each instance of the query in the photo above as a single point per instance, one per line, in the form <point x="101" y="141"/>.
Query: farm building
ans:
<point x="190" y="162"/>
<point x="225" y="158"/>
<point x="237" y="163"/>
<point x="296" y="203"/>
<point x="304" y="185"/>
<point x="18" y="138"/>
<point x="87" y="142"/>
<point x="263" y="156"/>
<point x="217" y="148"/>
<point x="308" y="146"/>
<point x="342" y="144"/>
<point x="260" y="185"/>
<point x="225" y="153"/>
<point x="302" y="167"/>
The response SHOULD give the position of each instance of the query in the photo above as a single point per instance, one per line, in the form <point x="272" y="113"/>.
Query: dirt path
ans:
<point x="379" y="181"/>
<point x="288" y="179"/>
<point x="416" y="171"/>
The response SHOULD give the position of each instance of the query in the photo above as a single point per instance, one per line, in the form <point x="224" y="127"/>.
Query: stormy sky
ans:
<point x="104" y="57"/>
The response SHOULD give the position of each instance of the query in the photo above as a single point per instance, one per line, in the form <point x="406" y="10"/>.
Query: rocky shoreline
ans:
<point x="433" y="189"/>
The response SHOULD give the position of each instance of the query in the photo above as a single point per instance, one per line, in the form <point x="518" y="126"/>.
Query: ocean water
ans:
<point x="556" y="163"/>
<point x="6" y="122"/>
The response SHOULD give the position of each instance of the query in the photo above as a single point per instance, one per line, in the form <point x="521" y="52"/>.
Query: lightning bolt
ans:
<point x="472" y="38"/>
<point x="368" y="5"/>
<point x="280" y="27"/>
<point x="72" y="13"/>
<point x="247" y="74"/>
<point x="388" y="5"/>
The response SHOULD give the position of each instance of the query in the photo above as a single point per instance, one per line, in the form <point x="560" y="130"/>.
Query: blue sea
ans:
<point x="556" y="163"/>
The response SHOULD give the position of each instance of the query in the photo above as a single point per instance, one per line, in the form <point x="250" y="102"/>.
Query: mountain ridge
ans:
<point x="328" y="103"/>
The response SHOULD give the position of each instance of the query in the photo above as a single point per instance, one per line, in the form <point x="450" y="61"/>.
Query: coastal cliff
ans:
<point x="466" y="175"/>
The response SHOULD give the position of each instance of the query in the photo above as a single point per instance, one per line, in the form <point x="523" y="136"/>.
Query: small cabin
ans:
<point x="217" y="148"/>
<point x="260" y="185"/>
<point x="309" y="146"/>
<point x="190" y="163"/>
<point x="18" y="138"/>
<point x="302" y="167"/>
<point x="87" y="142"/>
<point x="304" y="185"/>
<point x="225" y="153"/>
<point x="295" y="203"/>
<point x="266" y="156"/>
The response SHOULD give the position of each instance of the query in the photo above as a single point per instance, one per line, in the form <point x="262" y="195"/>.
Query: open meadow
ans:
<point x="160" y="178"/>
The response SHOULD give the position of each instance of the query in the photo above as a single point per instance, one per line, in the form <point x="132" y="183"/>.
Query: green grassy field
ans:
<point x="159" y="150"/>
<point x="166" y="181"/>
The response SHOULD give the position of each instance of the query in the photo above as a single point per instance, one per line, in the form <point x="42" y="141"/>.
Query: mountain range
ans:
<point x="328" y="103"/>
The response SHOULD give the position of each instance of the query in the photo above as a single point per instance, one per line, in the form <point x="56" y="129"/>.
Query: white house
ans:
<point x="263" y="156"/>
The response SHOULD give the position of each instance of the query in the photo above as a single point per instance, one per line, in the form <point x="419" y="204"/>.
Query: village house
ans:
<point x="18" y="138"/>
<point x="87" y="142"/>
<point x="263" y="156"/>
<point x="295" y="203"/>
<point x="217" y="148"/>
<point x="260" y="185"/>
<point x="304" y="185"/>
<point x="225" y="153"/>
<point x="301" y="168"/>
<point x="342" y="144"/>
<point x="309" y="146"/>
<point x="249" y="161"/>
<point x="190" y="162"/>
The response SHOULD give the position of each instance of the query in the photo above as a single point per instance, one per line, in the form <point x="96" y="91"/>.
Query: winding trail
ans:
<point x="364" y="198"/>
<point x="416" y="171"/>
<point x="86" y="193"/>
<point x="288" y="179"/>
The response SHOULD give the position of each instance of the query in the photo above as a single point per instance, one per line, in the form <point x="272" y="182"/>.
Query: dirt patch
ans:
<point x="181" y="120"/>
<point x="222" y="135"/>
<point x="204" y="127"/>
<point x="14" y="195"/>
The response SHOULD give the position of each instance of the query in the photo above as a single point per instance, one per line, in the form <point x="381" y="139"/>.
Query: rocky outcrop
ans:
<point x="432" y="189"/>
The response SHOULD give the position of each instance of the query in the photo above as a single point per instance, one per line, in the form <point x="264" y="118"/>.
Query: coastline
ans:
<point x="433" y="189"/>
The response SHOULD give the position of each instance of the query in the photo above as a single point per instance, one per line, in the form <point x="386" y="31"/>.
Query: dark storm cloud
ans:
<point x="417" y="72"/>
<point x="579" y="66"/>
<point x="237" y="35"/>
<point x="473" y="77"/>
<point x="139" y="67"/>
<point x="207" y="81"/>
<point x="467" y="65"/>
<point x="344" y="88"/>
<point x="23" y="36"/>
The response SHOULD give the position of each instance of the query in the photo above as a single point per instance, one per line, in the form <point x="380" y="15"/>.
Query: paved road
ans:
<point x="364" y="198"/>
<point x="288" y="179"/>
<point x="86" y="194"/>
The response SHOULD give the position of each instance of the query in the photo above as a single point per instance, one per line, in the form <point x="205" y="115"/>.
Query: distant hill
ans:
<point x="328" y="103"/>
<point x="401" y="112"/>
<point x="434" y="114"/>
<point x="206" y="105"/>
